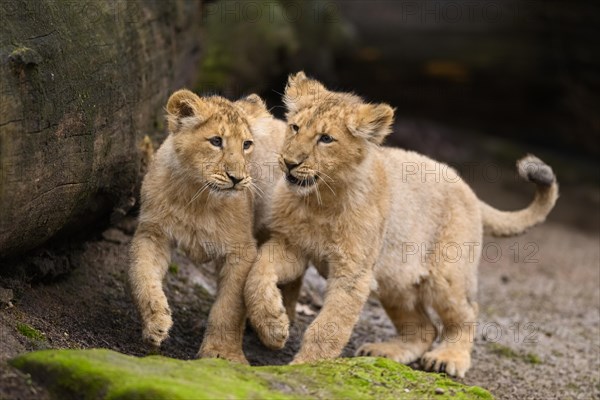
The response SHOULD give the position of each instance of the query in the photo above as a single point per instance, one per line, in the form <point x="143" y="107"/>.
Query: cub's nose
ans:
<point x="290" y="165"/>
<point x="234" y="180"/>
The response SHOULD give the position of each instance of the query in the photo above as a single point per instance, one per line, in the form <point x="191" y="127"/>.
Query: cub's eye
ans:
<point x="216" y="141"/>
<point x="247" y="144"/>
<point x="326" y="139"/>
<point x="295" y="128"/>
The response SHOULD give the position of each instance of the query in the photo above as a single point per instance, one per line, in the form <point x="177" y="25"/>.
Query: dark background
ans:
<point x="524" y="70"/>
<point x="476" y="84"/>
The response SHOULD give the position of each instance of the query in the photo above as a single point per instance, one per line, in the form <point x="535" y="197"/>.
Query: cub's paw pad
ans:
<point x="274" y="332"/>
<point x="452" y="362"/>
<point x="393" y="351"/>
<point x="156" y="329"/>
<point x="271" y="323"/>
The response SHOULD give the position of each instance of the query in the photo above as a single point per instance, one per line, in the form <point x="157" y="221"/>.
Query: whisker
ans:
<point x="198" y="193"/>
<point x="208" y="198"/>
<point x="252" y="185"/>
<point x="194" y="196"/>
<point x="325" y="182"/>
<point x="314" y="181"/>
<point x="276" y="107"/>
<point x="255" y="190"/>
<point x="324" y="174"/>
<point x="257" y="187"/>
<point x="257" y="193"/>
<point x="319" y="192"/>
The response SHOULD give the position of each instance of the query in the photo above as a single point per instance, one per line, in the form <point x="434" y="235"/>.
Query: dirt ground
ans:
<point x="538" y="331"/>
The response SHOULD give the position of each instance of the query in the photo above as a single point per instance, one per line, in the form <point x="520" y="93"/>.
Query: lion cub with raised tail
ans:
<point x="357" y="210"/>
<point x="205" y="190"/>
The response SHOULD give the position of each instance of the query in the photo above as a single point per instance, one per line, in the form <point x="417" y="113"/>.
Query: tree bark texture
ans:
<point x="81" y="84"/>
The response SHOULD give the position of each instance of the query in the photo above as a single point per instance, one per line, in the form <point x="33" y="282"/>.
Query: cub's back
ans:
<point x="421" y="190"/>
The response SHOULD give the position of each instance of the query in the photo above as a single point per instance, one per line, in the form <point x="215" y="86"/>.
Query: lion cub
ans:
<point x="199" y="192"/>
<point x="358" y="211"/>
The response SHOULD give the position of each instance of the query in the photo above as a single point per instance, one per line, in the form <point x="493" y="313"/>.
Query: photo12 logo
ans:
<point x="467" y="12"/>
<point x="453" y="252"/>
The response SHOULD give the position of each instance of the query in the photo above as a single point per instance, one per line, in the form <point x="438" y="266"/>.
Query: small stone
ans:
<point x="439" y="391"/>
<point x="407" y="390"/>
<point x="304" y="309"/>
<point x="6" y="296"/>
<point x="23" y="56"/>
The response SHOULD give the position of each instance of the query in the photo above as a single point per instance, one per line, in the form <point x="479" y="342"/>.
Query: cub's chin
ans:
<point x="302" y="185"/>
<point x="226" y="191"/>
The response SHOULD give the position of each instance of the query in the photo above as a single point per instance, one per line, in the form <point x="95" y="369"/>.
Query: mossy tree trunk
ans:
<point x="81" y="84"/>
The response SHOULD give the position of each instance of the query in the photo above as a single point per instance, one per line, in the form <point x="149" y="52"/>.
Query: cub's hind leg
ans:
<point x="453" y="355"/>
<point x="452" y="286"/>
<point x="453" y="292"/>
<point x="415" y="330"/>
<point x="150" y="255"/>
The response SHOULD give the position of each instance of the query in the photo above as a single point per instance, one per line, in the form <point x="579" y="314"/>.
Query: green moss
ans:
<point x="97" y="373"/>
<point x="503" y="351"/>
<point x="173" y="268"/>
<point x="532" y="358"/>
<point x="202" y="296"/>
<point x="30" y="332"/>
<point x="507" y="352"/>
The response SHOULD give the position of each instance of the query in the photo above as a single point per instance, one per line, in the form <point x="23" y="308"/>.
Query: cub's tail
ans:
<point x="509" y="223"/>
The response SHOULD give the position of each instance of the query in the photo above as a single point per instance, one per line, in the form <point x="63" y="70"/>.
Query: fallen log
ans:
<point x="81" y="84"/>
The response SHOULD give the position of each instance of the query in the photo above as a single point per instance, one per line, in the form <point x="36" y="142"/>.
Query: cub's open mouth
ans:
<point x="301" y="182"/>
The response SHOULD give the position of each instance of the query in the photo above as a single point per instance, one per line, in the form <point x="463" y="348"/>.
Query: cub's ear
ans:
<point x="372" y="122"/>
<point x="253" y="105"/>
<point x="185" y="110"/>
<point x="301" y="92"/>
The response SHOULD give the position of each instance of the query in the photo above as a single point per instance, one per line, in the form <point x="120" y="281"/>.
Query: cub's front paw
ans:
<point x="269" y="318"/>
<point x="451" y="361"/>
<point x="156" y="327"/>
<point x="224" y="353"/>
<point x="274" y="331"/>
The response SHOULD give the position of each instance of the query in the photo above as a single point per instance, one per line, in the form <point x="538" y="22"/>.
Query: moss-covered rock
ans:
<point x="97" y="373"/>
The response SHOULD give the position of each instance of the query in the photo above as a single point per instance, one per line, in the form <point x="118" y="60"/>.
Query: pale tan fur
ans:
<point x="188" y="197"/>
<point x="364" y="224"/>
